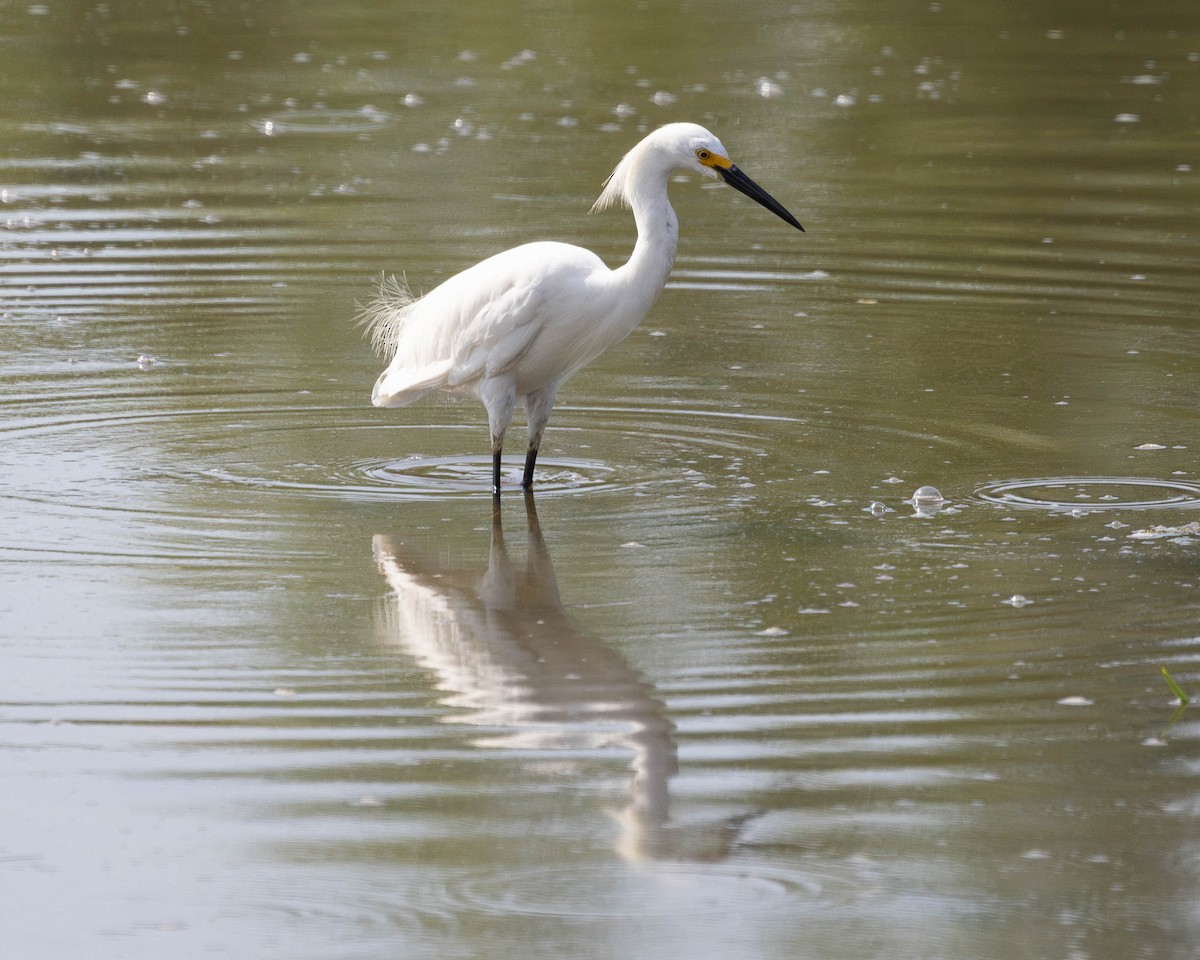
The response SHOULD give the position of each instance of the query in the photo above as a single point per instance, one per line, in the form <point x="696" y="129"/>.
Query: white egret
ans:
<point x="514" y="326"/>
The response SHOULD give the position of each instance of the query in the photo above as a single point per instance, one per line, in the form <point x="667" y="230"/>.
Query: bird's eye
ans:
<point x="702" y="154"/>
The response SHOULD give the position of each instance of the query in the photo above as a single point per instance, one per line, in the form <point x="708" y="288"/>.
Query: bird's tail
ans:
<point x="384" y="316"/>
<point x="400" y="387"/>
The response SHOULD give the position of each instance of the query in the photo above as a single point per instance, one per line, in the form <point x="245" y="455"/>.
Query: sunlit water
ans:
<point x="277" y="682"/>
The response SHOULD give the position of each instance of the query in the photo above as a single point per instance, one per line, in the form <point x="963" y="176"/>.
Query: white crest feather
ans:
<point x="670" y="147"/>
<point x="384" y="316"/>
<point x="616" y="187"/>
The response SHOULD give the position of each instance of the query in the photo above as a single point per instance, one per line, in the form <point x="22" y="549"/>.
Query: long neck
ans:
<point x="648" y="267"/>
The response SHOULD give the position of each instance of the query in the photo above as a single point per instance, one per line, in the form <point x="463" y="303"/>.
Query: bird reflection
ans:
<point x="507" y="653"/>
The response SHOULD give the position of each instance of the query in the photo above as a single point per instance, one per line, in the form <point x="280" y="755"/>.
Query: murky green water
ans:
<point x="275" y="682"/>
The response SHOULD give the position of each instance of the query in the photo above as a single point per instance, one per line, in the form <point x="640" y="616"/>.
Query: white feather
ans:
<point x="383" y="317"/>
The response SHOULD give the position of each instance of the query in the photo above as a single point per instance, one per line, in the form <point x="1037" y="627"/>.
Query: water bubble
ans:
<point x="145" y="361"/>
<point x="662" y="98"/>
<point x="1017" y="601"/>
<point x="1127" y="118"/>
<point x="927" y="501"/>
<point x="928" y="494"/>
<point x="767" y="88"/>
<point x="154" y="98"/>
<point x="876" y="508"/>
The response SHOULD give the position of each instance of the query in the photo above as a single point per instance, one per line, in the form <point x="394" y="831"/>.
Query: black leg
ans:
<point x="496" y="474"/>
<point x="530" y="460"/>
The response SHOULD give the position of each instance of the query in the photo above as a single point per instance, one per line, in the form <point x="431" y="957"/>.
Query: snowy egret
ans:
<point x="517" y="324"/>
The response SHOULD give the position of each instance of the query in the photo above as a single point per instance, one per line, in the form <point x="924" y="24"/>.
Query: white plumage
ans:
<point x="514" y="326"/>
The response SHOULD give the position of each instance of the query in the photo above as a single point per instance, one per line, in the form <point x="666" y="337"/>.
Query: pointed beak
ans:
<point x="743" y="184"/>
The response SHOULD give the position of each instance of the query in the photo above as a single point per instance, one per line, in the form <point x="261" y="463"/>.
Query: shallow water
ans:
<point x="277" y="682"/>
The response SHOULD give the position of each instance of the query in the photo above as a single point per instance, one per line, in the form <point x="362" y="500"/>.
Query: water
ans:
<point x="277" y="682"/>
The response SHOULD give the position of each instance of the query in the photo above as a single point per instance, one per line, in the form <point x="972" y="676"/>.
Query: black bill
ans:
<point x="743" y="184"/>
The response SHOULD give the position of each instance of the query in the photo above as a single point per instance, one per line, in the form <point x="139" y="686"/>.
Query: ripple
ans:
<point x="422" y="477"/>
<point x="1091" y="493"/>
<point x="317" y="121"/>
<point x="161" y="480"/>
<point x="736" y="280"/>
<point x="654" y="890"/>
<point x="596" y="450"/>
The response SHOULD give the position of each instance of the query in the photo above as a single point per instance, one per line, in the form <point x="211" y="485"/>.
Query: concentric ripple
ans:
<point x="420" y="477"/>
<point x="334" y="452"/>
<point x="1091" y="493"/>
<point x="658" y="890"/>
<point x="178" y="466"/>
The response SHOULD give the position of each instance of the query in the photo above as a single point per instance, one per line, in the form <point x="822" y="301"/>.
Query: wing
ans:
<point x="480" y="322"/>
<point x="499" y="330"/>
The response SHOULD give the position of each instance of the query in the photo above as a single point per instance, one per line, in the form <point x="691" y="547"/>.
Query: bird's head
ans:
<point x="681" y="146"/>
<point x="695" y="148"/>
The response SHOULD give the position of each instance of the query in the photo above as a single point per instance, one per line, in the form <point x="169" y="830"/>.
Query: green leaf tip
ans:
<point x="1175" y="688"/>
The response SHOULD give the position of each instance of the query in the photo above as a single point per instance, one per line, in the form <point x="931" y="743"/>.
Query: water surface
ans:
<point x="278" y="682"/>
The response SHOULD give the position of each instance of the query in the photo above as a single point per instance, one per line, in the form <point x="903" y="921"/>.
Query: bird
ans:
<point x="513" y="327"/>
